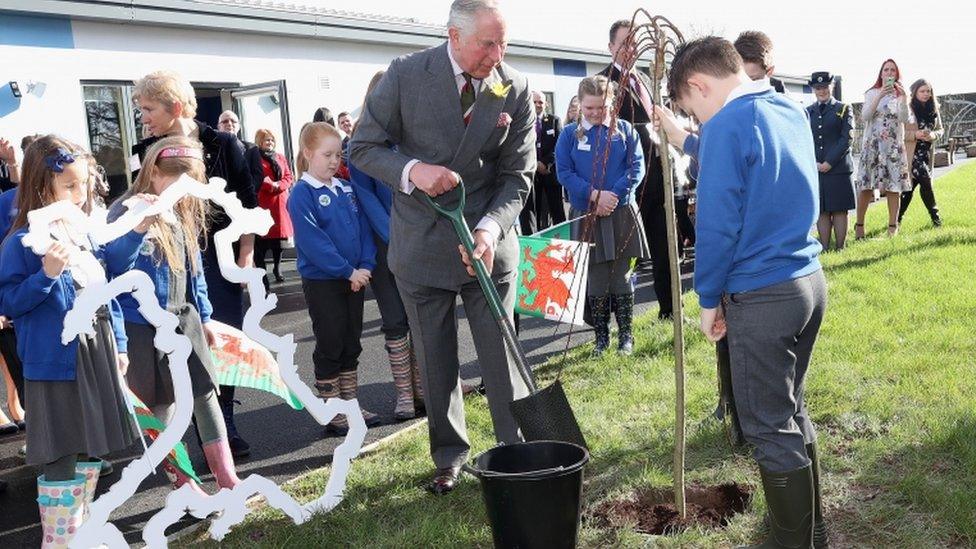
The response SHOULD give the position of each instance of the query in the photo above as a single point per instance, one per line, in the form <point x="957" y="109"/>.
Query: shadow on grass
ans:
<point x="943" y="240"/>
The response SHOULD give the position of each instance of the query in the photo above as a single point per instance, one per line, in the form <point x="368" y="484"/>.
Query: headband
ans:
<point x="181" y="152"/>
<point x="57" y="159"/>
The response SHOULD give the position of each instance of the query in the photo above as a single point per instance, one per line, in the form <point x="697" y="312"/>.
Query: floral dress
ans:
<point x="884" y="163"/>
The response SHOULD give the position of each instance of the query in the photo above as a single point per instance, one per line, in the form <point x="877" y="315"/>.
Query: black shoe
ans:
<point x="936" y="221"/>
<point x="444" y="481"/>
<point x="239" y="447"/>
<point x="279" y="278"/>
<point x="9" y="429"/>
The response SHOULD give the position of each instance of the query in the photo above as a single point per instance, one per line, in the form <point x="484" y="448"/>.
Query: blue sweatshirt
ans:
<point x="8" y="210"/>
<point x="575" y="163"/>
<point x="137" y="251"/>
<point x="332" y="235"/>
<point x="38" y="304"/>
<point x="375" y="199"/>
<point x="757" y="197"/>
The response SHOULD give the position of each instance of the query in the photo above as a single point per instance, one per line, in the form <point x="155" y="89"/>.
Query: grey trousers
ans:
<point x="771" y="334"/>
<point x="432" y="313"/>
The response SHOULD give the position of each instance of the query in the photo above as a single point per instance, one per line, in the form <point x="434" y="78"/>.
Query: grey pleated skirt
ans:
<point x="149" y="375"/>
<point x="619" y="235"/>
<point x="85" y="416"/>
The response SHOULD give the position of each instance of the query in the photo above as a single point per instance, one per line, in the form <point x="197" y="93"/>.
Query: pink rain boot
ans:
<point x="221" y="463"/>
<point x="179" y="478"/>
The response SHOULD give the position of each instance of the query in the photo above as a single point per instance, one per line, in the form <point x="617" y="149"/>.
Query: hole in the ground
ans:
<point x="652" y="511"/>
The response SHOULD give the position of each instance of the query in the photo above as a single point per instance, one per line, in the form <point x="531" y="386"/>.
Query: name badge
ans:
<point x="551" y="132"/>
<point x="583" y="147"/>
<point x="134" y="163"/>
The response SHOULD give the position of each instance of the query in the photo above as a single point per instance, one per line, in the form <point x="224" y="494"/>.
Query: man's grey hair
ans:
<point x="463" y="13"/>
<point x="231" y="113"/>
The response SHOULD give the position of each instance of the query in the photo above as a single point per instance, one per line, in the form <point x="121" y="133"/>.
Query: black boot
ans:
<point x="625" y="317"/>
<point x="790" y="509"/>
<point x="600" y="307"/>
<point x="820" y="538"/>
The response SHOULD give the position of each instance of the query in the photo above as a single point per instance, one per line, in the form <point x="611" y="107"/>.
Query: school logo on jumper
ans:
<point x="324" y="199"/>
<point x="148" y="247"/>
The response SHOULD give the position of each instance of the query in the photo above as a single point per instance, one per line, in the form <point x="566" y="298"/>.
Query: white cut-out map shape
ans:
<point x="230" y="504"/>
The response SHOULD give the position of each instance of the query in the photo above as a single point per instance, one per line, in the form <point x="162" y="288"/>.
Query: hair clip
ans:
<point x="181" y="152"/>
<point x="57" y="159"/>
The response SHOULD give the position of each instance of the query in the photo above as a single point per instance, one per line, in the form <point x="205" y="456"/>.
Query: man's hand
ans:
<point x="7" y="153"/>
<point x="123" y="363"/>
<point x="824" y="167"/>
<point x="433" y="180"/>
<point x="713" y="324"/>
<point x="359" y="279"/>
<point x="484" y="249"/>
<point x="663" y="117"/>
<point x="541" y="168"/>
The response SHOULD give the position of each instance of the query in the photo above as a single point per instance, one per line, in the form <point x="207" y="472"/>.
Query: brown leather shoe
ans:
<point x="444" y="481"/>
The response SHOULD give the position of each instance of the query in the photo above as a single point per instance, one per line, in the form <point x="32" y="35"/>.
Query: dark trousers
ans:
<point x="928" y="197"/>
<point x="337" y="323"/>
<point x="527" y="220"/>
<point x="8" y="348"/>
<point x="771" y="334"/>
<point x="261" y="248"/>
<point x="549" y="208"/>
<point x="387" y="296"/>
<point x="227" y="299"/>
<point x="656" y="229"/>
<point x="686" y="228"/>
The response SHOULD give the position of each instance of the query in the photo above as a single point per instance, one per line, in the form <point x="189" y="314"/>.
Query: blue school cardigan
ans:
<point x="375" y="200"/>
<point x="38" y="304"/>
<point x="575" y="163"/>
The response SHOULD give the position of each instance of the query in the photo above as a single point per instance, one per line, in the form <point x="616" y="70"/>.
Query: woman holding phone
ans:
<point x="884" y="163"/>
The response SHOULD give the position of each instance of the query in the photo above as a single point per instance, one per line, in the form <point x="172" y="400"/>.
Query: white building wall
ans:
<point x="116" y="52"/>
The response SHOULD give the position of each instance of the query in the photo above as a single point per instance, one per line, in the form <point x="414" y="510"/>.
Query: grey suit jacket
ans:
<point x="415" y="113"/>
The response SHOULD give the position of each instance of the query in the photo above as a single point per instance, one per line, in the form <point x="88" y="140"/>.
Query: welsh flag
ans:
<point x="242" y="362"/>
<point x="552" y="277"/>
<point x="151" y="426"/>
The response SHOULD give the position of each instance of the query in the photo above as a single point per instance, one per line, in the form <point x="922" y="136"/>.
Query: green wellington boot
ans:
<point x="820" y="538"/>
<point x="789" y="503"/>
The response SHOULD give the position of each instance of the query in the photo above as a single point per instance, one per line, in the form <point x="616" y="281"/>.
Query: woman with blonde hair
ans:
<point x="170" y="253"/>
<point x="167" y="105"/>
<point x="273" y="179"/>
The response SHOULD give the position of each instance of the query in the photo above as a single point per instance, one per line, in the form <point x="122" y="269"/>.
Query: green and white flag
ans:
<point x="552" y="278"/>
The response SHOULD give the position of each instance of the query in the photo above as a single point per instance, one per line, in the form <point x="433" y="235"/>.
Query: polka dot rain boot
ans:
<point x="61" y="504"/>
<point x="91" y="470"/>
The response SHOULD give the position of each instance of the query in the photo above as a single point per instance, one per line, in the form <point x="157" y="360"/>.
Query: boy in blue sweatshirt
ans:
<point x="756" y="273"/>
<point x="336" y="257"/>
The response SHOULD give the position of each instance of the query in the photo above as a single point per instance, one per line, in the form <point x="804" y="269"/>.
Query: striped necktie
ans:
<point x="467" y="98"/>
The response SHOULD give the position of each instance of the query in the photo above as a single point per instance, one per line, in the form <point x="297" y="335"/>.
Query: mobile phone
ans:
<point x="890" y="81"/>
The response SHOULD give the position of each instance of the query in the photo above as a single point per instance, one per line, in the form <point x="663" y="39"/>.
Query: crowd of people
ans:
<point x="352" y="212"/>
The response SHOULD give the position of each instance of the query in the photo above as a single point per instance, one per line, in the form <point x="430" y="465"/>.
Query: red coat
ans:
<point x="274" y="199"/>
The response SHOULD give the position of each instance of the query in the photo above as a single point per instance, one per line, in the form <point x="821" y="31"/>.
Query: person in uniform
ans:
<point x="832" y="124"/>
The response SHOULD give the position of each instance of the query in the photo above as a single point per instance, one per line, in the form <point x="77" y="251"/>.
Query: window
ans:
<point x="112" y="127"/>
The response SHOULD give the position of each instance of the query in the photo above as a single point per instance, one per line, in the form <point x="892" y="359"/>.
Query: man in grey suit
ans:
<point x="455" y="110"/>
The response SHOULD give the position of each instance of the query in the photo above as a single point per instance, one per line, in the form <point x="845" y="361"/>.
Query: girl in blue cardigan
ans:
<point x="336" y="257"/>
<point x="75" y="402"/>
<point x="605" y="191"/>
<point x="169" y="252"/>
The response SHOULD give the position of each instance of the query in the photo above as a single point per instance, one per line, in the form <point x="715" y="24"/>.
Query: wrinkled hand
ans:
<point x="713" y="324"/>
<point x="147" y="221"/>
<point x="7" y="153"/>
<point x="123" y="363"/>
<point x="824" y="167"/>
<point x="433" y="180"/>
<point x="664" y="117"/>
<point x="484" y="249"/>
<point x="55" y="260"/>
<point x="209" y="334"/>
<point x="359" y="279"/>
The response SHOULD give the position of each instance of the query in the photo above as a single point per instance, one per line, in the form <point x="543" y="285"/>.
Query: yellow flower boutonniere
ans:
<point x="499" y="89"/>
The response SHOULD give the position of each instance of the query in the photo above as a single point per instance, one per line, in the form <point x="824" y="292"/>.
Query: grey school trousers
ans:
<point x="771" y="334"/>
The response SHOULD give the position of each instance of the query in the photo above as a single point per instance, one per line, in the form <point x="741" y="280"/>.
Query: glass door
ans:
<point x="264" y="106"/>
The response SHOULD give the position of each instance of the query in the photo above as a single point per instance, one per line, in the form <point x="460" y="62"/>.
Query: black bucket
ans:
<point x="533" y="492"/>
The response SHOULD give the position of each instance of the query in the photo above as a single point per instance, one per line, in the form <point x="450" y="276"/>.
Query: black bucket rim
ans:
<point x="542" y="474"/>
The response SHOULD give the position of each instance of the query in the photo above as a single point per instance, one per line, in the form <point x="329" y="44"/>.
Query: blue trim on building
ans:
<point x="568" y="67"/>
<point x="38" y="32"/>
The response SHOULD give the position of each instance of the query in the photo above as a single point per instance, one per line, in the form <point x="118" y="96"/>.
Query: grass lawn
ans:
<point x="892" y="392"/>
